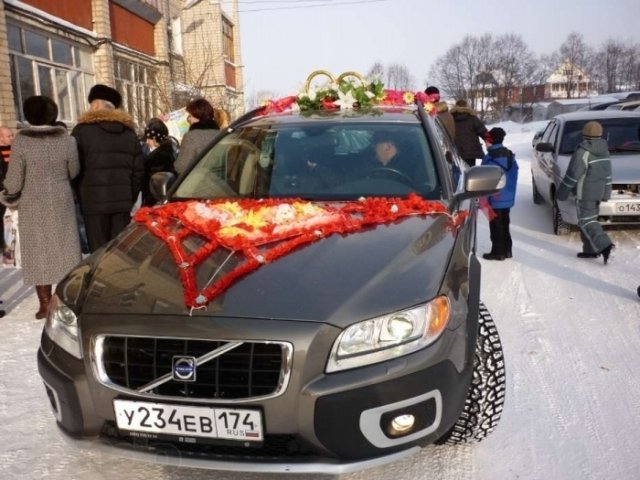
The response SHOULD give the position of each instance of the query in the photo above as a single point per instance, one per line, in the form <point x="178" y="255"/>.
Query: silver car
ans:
<point x="621" y="130"/>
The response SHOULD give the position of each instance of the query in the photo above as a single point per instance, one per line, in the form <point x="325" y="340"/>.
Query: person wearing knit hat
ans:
<point x="112" y="166"/>
<point x="442" y="110"/>
<point x="501" y="202"/>
<point x="161" y="156"/>
<point x="588" y="177"/>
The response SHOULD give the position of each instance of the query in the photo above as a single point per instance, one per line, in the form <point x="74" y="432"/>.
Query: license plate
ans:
<point x="184" y="420"/>
<point x="623" y="208"/>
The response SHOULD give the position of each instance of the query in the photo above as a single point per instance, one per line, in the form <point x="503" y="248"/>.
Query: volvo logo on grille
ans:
<point x="184" y="368"/>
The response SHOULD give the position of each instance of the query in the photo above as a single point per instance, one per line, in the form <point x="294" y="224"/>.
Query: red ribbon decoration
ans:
<point x="222" y="223"/>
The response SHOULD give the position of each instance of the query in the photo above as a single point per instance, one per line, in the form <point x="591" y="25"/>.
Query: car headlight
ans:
<point x="382" y="338"/>
<point x="62" y="327"/>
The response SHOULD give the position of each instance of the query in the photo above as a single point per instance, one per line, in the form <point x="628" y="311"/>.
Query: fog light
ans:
<point x="401" y="425"/>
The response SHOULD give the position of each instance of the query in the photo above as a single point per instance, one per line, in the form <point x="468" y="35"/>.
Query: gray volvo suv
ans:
<point x="297" y="301"/>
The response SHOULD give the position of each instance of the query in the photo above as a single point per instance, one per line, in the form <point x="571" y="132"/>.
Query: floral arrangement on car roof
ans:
<point x="258" y="232"/>
<point x="348" y="91"/>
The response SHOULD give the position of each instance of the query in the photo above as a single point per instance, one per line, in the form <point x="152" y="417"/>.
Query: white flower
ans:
<point x="333" y="86"/>
<point x="394" y="208"/>
<point x="345" y="101"/>
<point x="295" y="108"/>
<point x="369" y="94"/>
<point x="312" y="93"/>
<point x="201" y="299"/>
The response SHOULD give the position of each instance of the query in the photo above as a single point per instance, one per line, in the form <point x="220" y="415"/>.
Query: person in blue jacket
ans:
<point x="501" y="202"/>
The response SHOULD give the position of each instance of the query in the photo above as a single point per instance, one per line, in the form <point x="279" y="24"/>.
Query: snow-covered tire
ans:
<point x="485" y="398"/>
<point x="560" y="227"/>
<point x="537" y="198"/>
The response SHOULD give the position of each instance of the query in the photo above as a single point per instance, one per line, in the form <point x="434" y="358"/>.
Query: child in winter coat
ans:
<point x="501" y="202"/>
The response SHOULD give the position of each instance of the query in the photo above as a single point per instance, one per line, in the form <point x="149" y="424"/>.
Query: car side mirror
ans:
<point x="160" y="183"/>
<point x="544" y="147"/>
<point x="479" y="181"/>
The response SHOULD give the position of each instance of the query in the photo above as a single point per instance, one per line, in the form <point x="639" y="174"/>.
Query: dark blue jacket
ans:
<point x="503" y="157"/>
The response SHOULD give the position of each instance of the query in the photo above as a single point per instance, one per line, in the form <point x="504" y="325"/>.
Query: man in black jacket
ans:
<point x="112" y="166"/>
<point x="469" y="131"/>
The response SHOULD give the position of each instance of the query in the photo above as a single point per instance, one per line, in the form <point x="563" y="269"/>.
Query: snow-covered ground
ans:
<point x="571" y="335"/>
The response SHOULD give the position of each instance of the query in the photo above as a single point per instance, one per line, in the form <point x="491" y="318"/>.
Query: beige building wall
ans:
<point x="199" y="69"/>
<point x="204" y="54"/>
<point x="103" y="56"/>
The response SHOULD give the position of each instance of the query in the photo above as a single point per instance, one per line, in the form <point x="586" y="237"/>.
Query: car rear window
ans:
<point x="332" y="161"/>
<point x="621" y="134"/>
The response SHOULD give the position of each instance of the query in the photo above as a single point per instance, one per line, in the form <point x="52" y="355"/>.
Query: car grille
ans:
<point x="144" y="365"/>
<point x="629" y="188"/>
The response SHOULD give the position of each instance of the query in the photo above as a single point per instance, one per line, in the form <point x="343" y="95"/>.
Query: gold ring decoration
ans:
<point x="314" y="74"/>
<point x="351" y="74"/>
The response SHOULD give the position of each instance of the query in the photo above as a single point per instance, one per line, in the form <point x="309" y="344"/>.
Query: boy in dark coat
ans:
<point x="501" y="202"/>
<point x="112" y="167"/>
<point x="588" y="176"/>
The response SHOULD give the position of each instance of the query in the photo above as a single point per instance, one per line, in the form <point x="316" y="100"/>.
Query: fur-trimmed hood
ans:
<point x="43" y="131"/>
<point x="463" y="111"/>
<point x="108" y="115"/>
<point x="442" y="106"/>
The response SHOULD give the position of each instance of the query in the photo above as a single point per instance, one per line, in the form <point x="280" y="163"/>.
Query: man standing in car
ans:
<point x="588" y="177"/>
<point x="112" y="167"/>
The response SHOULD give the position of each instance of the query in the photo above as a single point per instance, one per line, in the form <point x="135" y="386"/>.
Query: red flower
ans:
<point x="327" y="104"/>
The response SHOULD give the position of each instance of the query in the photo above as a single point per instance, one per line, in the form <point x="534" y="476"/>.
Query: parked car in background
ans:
<point x="600" y="106"/>
<point x="293" y="305"/>
<point x="537" y="136"/>
<point x="631" y="105"/>
<point x="551" y="158"/>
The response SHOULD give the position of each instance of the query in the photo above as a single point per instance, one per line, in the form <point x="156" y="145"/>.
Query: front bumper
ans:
<point x="322" y="423"/>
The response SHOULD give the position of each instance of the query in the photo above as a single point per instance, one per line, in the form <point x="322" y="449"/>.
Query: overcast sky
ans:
<point x="283" y="41"/>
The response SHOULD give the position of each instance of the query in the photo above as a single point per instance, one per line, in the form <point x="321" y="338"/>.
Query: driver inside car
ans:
<point x="391" y="159"/>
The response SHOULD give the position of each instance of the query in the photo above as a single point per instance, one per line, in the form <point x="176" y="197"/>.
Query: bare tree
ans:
<point x="574" y="53"/>
<point x="447" y="73"/>
<point x="376" y="71"/>
<point x="257" y="98"/>
<point x="514" y="64"/>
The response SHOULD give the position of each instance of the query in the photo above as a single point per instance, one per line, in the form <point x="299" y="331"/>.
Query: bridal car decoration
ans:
<point x="348" y="91"/>
<point x="261" y="231"/>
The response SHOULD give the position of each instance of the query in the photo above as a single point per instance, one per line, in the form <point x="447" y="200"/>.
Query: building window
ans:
<point x="42" y="64"/>
<point x="227" y="39"/>
<point x="138" y="85"/>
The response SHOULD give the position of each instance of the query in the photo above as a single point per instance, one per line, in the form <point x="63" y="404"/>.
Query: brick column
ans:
<point x="8" y="116"/>
<point x="103" y="57"/>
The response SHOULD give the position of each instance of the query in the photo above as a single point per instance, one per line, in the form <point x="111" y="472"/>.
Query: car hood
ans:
<point x="337" y="279"/>
<point x="625" y="166"/>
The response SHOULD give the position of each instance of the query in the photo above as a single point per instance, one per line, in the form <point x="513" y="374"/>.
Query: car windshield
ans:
<point x="339" y="160"/>
<point x="621" y="134"/>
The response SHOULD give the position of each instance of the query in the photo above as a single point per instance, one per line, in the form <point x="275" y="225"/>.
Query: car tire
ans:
<point x="485" y="398"/>
<point x="560" y="227"/>
<point x="537" y="198"/>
